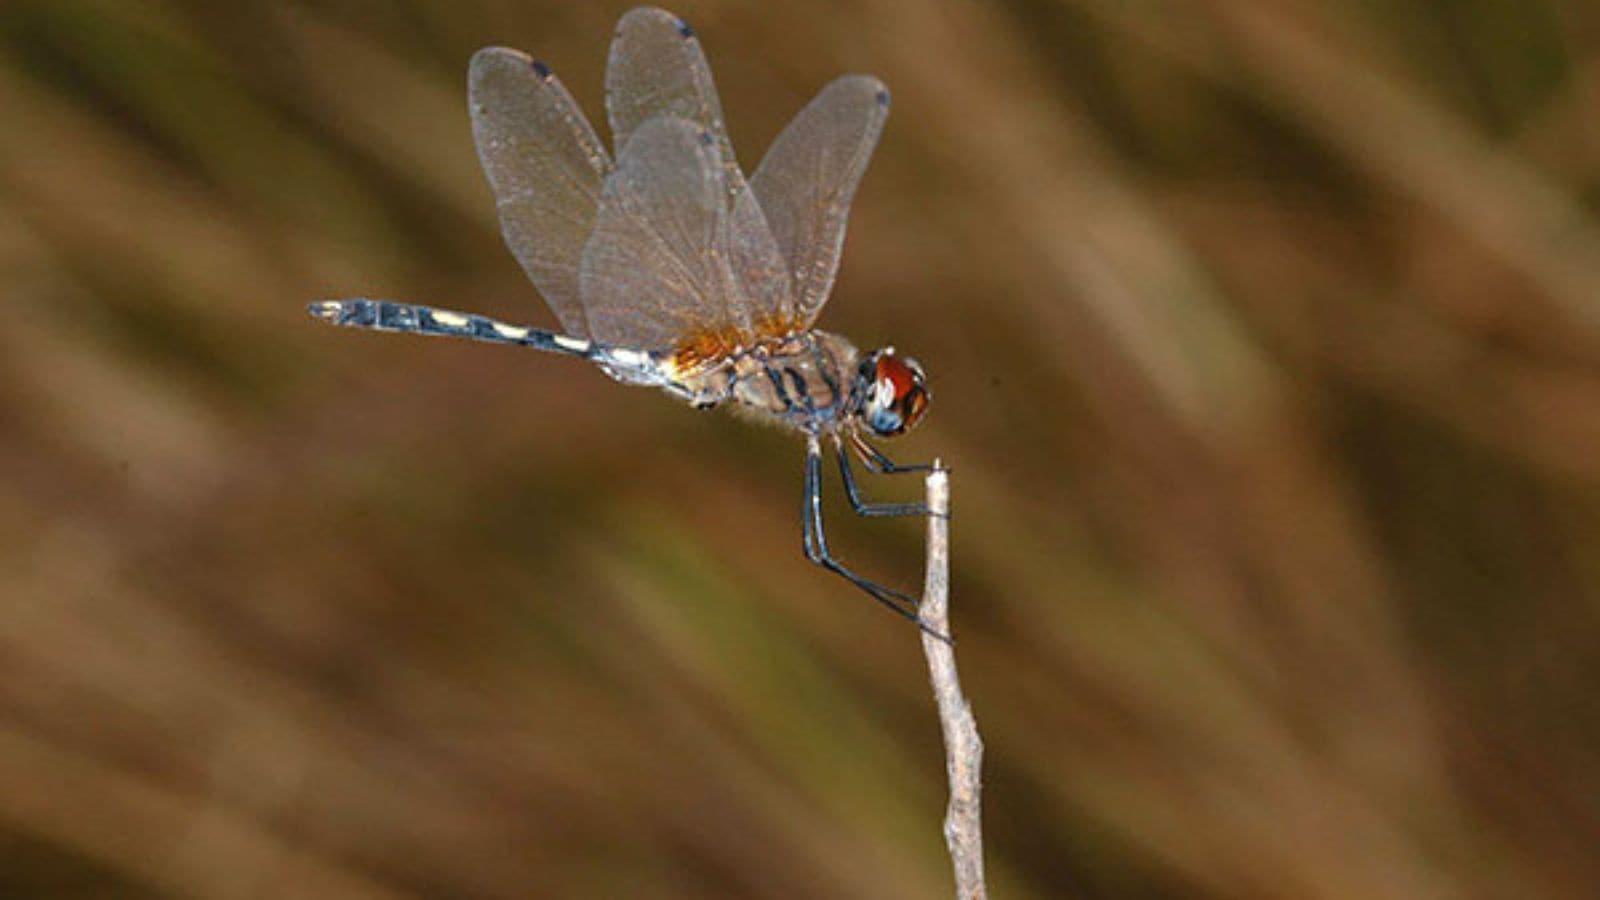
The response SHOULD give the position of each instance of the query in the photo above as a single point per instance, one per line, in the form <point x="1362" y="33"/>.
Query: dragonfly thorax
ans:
<point x="804" y="380"/>
<point x="815" y="382"/>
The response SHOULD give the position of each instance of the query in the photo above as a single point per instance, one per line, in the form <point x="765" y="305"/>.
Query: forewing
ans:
<point x="760" y="271"/>
<point x="655" y="271"/>
<point x="546" y="168"/>
<point x="809" y="176"/>
<point x="656" y="68"/>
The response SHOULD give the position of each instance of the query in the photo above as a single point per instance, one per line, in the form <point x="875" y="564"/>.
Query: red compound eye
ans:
<point x="900" y="394"/>
<point x="901" y="376"/>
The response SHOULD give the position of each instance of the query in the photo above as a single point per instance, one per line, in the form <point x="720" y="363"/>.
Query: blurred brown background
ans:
<point x="1265" y="343"/>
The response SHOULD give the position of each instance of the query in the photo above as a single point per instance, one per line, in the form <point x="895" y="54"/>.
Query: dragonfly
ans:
<point x="666" y="267"/>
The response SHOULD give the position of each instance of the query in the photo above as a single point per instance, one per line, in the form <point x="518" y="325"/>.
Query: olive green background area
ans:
<point x="1264" y="340"/>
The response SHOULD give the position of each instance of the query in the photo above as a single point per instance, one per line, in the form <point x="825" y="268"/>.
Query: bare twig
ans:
<point x="963" y="826"/>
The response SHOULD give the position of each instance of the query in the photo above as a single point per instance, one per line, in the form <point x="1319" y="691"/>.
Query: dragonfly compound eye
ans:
<point x="898" y="395"/>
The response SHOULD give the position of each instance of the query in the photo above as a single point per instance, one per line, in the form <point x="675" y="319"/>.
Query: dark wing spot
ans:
<point x="883" y="98"/>
<point x="541" y="70"/>
<point x="684" y="29"/>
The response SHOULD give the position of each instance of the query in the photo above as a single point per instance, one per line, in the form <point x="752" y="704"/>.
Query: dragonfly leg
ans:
<point x="816" y="546"/>
<point x="863" y="507"/>
<point x="879" y="462"/>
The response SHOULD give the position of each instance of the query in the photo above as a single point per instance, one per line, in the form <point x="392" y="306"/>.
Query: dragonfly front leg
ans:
<point x="879" y="462"/>
<point x="863" y="507"/>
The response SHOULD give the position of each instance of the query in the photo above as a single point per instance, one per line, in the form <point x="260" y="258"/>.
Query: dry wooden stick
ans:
<point x="963" y="825"/>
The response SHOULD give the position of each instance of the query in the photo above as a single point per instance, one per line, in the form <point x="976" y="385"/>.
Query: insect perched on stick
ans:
<point x="666" y="267"/>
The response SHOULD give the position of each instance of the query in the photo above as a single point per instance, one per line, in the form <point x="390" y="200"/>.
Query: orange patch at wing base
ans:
<point x="704" y="349"/>
<point x="707" y="348"/>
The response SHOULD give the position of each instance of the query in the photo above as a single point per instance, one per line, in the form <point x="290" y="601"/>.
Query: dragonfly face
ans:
<point x="893" y="390"/>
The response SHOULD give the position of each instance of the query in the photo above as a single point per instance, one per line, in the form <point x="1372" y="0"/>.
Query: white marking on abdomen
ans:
<point x="631" y="357"/>
<point x="450" y="319"/>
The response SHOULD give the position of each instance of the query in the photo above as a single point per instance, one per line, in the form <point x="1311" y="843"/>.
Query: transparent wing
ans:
<point x="657" y="68"/>
<point x="809" y="176"/>
<point x="760" y="272"/>
<point x="652" y="273"/>
<point x="546" y="168"/>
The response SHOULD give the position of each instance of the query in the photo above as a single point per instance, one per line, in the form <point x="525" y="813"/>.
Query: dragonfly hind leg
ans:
<point x="816" y="547"/>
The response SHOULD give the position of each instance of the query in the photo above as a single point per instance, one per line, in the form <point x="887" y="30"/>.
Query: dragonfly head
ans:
<point x="894" y="392"/>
